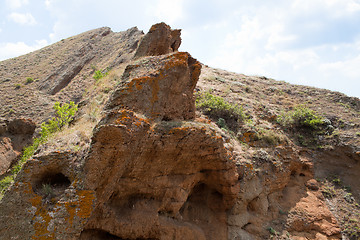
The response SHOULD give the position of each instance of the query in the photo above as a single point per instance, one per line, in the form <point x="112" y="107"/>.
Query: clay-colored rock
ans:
<point x="313" y="216"/>
<point x="161" y="87"/>
<point x="159" y="179"/>
<point x="47" y="200"/>
<point x="7" y="154"/>
<point x="160" y="39"/>
<point x="171" y="180"/>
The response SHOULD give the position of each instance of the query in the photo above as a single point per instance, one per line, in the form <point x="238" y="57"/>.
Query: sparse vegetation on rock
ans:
<point x="64" y="114"/>
<point x="301" y="117"/>
<point x="221" y="111"/>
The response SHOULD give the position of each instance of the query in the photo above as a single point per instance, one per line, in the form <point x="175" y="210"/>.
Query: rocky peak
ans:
<point x="160" y="39"/>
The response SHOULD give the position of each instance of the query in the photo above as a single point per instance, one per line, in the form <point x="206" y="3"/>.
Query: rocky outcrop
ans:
<point x="154" y="175"/>
<point x="151" y="172"/>
<point x="160" y="39"/>
<point x="161" y="88"/>
<point x="164" y="180"/>
<point x="14" y="136"/>
<point x="47" y="200"/>
<point x="7" y="154"/>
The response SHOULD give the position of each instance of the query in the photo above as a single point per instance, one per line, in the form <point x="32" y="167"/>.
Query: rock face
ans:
<point x="14" y="135"/>
<point x="158" y="41"/>
<point x="164" y="180"/>
<point x="161" y="88"/>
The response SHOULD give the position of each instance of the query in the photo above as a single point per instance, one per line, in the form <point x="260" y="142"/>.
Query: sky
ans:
<point x="307" y="42"/>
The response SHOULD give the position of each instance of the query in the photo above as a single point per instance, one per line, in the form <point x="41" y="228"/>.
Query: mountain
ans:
<point x="164" y="147"/>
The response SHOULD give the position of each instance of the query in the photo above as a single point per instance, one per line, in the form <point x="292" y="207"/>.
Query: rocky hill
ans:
<point x="164" y="147"/>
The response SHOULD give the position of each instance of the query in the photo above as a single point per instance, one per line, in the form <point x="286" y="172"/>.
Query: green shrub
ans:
<point x="98" y="74"/>
<point x="47" y="190"/>
<point x="17" y="86"/>
<point x="221" y="123"/>
<point x="6" y="181"/>
<point x="301" y="117"/>
<point x="216" y="107"/>
<point x="63" y="115"/>
<point x="29" y="80"/>
<point x="328" y="191"/>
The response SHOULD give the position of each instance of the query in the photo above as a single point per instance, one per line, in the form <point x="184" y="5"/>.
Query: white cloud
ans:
<point x="167" y="11"/>
<point x="13" y="4"/>
<point x="336" y="8"/>
<point x="274" y="42"/>
<point x="47" y="3"/>
<point x="8" y="50"/>
<point x="22" y="19"/>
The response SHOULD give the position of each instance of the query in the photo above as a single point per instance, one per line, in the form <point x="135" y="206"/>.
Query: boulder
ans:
<point x="160" y="39"/>
<point x="159" y="87"/>
<point x="21" y="126"/>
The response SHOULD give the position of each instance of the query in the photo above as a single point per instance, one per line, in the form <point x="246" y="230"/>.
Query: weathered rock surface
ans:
<point x="168" y="180"/>
<point x="47" y="200"/>
<point x="7" y="154"/>
<point x="160" y="39"/>
<point x="161" y="87"/>
<point x="14" y="136"/>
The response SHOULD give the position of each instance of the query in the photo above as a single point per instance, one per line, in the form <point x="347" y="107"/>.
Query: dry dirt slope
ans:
<point x="294" y="184"/>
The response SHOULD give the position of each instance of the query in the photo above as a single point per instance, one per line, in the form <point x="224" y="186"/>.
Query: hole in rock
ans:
<point x="51" y="185"/>
<point x="302" y="175"/>
<point x="166" y="119"/>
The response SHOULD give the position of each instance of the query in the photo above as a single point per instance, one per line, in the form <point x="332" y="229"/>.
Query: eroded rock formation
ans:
<point x="160" y="39"/>
<point x="161" y="88"/>
<point x="151" y="172"/>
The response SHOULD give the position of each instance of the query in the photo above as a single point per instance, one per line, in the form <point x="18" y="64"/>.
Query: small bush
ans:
<point x="99" y="74"/>
<point x="216" y="107"/>
<point x="47" y="190"/>
<point x="301" y="117"/>
<point x="328" y="191"/>
<point x="17" y="86"/>
<point x="29" y="80"/>
<point x="64" y="115"/>
<point x="221" y="123"/>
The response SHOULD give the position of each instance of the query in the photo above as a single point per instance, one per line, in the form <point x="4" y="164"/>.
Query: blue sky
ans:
<point x="309" y="42"/>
